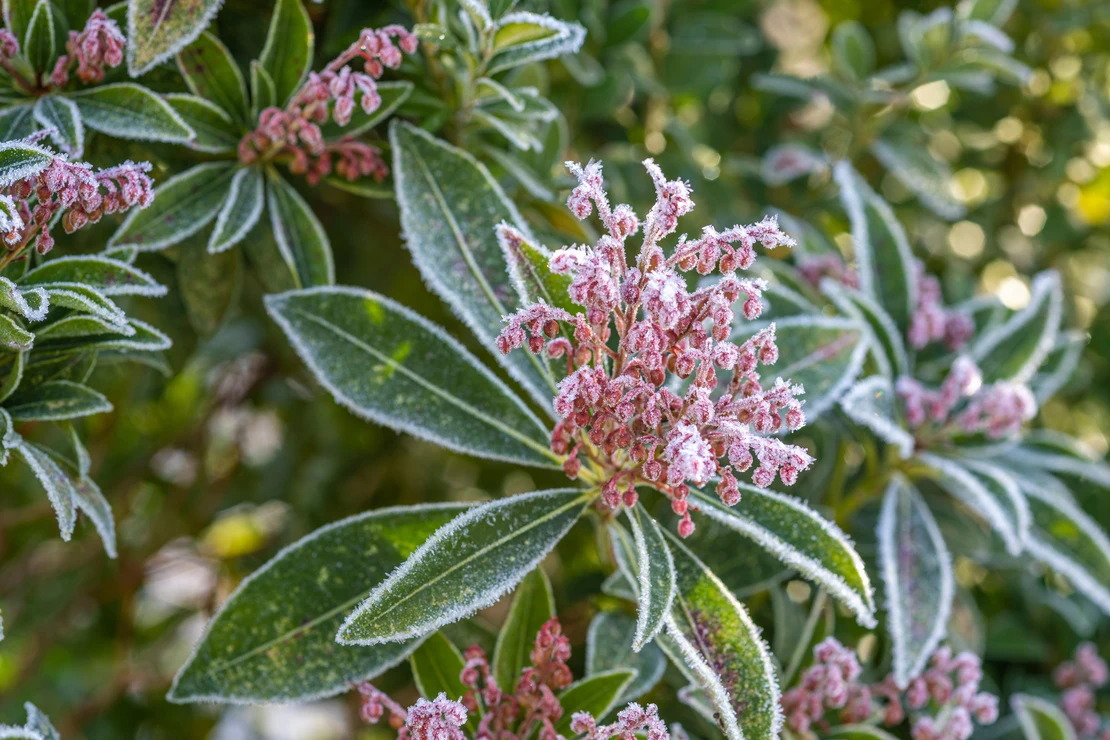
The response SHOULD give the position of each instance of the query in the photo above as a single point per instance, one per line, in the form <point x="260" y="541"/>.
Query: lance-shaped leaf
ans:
<point x="38" y="722"/>
<point x="912" y="164"/>
<point x="1004" y="488"/>
<point x="994" y="504"/>
<point x="721" y="647"/>
<point x="597" y="694"/>
<point x="83" y="299"/>
<point x="30" y="303"/>
<point x="87" y="496"/>
<point x="859" y="732"/>
<point x="1063" y="537"/>
<point x="917" y="578"/>
<point x="263" y="94"/>
<point x="208" y="284"/>
<point x="13" y="337"/>
<point x="183" y="205"/>
<point x="609" y="647"/>
<point x="156" y="30"/>
<point x="1065" y="458"/>
<point x="823" y="354"/>
<point x="450" y="207"/>
<point x="465" y="566"/>
<point x="12" y="374"/>
<point x="436" y="667"/>
<point x="19" y="160"/>
<point x="524" y="37"/>
<point x="17" y="16"/>
<point x="1059" y="365"/>
<point x="871" y="403"/>
<point x="800" y="538"/>
<point x="533" y="605"/>
<point x="130" y="111"/>
<point x="883" y="254"/>
<point x="530" y="273"/>
<point x="62" y="117"/>
<point x="299" y="235"/>
<point x="104" y="274"/>
<point x="57" y="400"/>
<point x="1040" y="719"/>
<point x="1015" y="349"/>
<point x="853" y="50"/>
<point x="8" y="435"/>
<point x="886" y="340"/>
<point x="273" y="640"/>
<point x="215" y="131"/>
<point x="394" y="367"/>
<point x="241" y="210"/>
<point x="16" y="123"/>
<point x="140" y="337"/>
<point x="287" y="55"/>
<point x="212" y="74"/>
<point x="655" y="568"/>
<point x="392" y="93"/>
<point x="58" y="487"/>
<point x="40" y="43"/>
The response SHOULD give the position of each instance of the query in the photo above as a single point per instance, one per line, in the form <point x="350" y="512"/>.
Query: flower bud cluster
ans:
<point x="632" y="721"/>
<point x="620" y="413"/>
<point x="1080" y="678"/>
<point x="816" y="268"/>
<point x="9" y="45"/>
<point x="97" y="47"/>
<point x="964" y="404"/>
<point x="943" y="703"/>
<point x="931" y="321"/>
<point x="294" y="131"/>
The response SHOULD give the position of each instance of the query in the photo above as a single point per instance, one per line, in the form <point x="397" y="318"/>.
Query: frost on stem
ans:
<point x="618" y="413"/>
<point x="294" y="132"/>
<point x="941" y="704"/>
<point x="1080" y="678"/>
<point x="532" y="708"/>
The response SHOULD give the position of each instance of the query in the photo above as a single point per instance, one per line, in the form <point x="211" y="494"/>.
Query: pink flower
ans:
<point x="932" y="321"/>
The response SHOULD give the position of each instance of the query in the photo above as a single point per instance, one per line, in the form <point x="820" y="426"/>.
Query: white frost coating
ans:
<point x="273" y="303"/>
<point x="101" y="307"/>
<point x="847" y="181"/>
<point x="50" y="476"/>
<point x="134" y="17"/>
<point x="158" y="342"/>
<point x="43" y="118"/>
<point x="190" y="99"/>
<point x="30" y="169"/>
<point x="1023" y="705"/>
<point x="1096" y="472"/>
<point x="929" y="189"/>
<point x="15" y="298"/>
<point x="905" y="669"/>
<point x="479" y="12"/>
<point x="186" y="230"/>
<point x="859" y="404"/>
<point x="147" y="286"/>
<point x="518" y="137"/>
<point x="1013" y="492"/>
<point x="99" y="119"/>
<point x="1045" y="290"/>
<point x="1046" y="385"/>
<point x="964" y="486"/>
<point x="224" y="238"/>
<point x="567" y="39"/>
<point x="500" y="93"/>
<point x="857" y="304"/>
<point x="645" y="631"/>
<point x="283" y="552"/>
<point x="862" y="606"/>
<point x="89" y="499"/>
<point x="476" y="601"/>
<point x="709" y="682"/>
<point x="280" y="235"/>
<point x="7" y="440"/>
<point x="1080" y="576"/>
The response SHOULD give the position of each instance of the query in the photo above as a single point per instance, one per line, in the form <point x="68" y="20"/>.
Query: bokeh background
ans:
<point x="228" y="451"/>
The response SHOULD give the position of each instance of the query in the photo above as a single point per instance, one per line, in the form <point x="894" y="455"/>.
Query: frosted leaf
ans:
<point x="20" y="160"/>
<point x="1015" y="349"/>
<point x="917" y="578"/>
<point x="79" y="297"/>
<point x="872" y="403"/>
<point x="129" y="111"/>
<point x="393" y="367"/>
<point x="523" y="37"/>
<point x="465" y="566"/>
<point x="215" y="131"/>
<point x="107" y="275"/>
<point x="287" y="53"/>
<point x="57" y="400"/>
<point x="609" y="647"/>
<point x="598" y="695"/>
<point x="1000" y="484"/>
<point x="40" y="723"/>
<point x="533" y="605"/>
<point x="912" y="164"/>
<point x="61" y="117"/>
<point x="212" y="74"/>
<point x="8" y="435"/>
<point x="655" y="568"/>
<point x="393" y="93"/>
<point x="1058" y="366"/>
<point x="995" y="505"/>
<point x="888" y="348"/>
<point x="140" y="337"/>
<point x="1040" y="719"/>
<point x="30" y="303"/>
<point x="802" y="539"/>
<point x="157" y="30"/>
<point x="57" y="484"/>
<point x="17" y="122"/>
<point x="273" y="640"/>
<point x="78" y="326"/>
<point x="299" y="235"/>
<point x="13" y="337"/>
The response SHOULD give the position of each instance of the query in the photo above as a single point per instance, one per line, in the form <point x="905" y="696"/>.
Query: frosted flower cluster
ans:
<point x="932" y="321"/>
<point x="97" y="47"/>
<point x="622" y="421"/>
<point x="1080" y="678"/>
<point x="964" y="404"/>
<point x="943" y="703"/>
<point x="294" y="132"/>
<point x="532" y="709"/>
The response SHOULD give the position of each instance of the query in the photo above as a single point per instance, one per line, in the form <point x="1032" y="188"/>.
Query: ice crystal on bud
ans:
<point x="293" y="133"/>
<point x="621" y="419"/>
<point x="532" y="709"/>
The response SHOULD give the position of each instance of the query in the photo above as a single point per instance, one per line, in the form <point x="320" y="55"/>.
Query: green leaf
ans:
<point x="299" y="235"/>
<point x="609" y="647"/>
<point x="273" y="639"/>
<point x="1040" y="719"/>
<point x="450" y="206"/>
<point x="156" y="30"/>
<point x="392" y="94"/>
<point x="917" y="576"/>
<point x="19" y="160"/>
<point x="40" y="42"/>
<point x="465" y="566"/>
<point x="40" y="723"/>
<point x="215" y="131"/>
<point x="17" y="16"/>
<point x="58" y="487"/>
<point x="106" y="275"/>
<point x="183" y="205"/>
<point x="905" y="154"/>
<point x="88" y="497"/>
<point x="241" y="210"/>
<point x="872" y="403"/>
<point x="391" y="366"/>
<point x="655" y="568"/>
<point x="721" y="647"/>
<point x="13" y="337"/>
<point x="61" y="115"/>
<point x="209" y="284"/>
<point x="212" y="74"/>
<point x="1003" y="488"/>
<point x="32" y="304"/>
<point x="800" y="538"/>
<point x="532" y="277"/>
<point x="886" y="263"/>
<point x="129" y="111"/>
<point x="523" y="37"/>
<point x="533" y="605"/>
<point x="263" y="94"/>
<point x="853" y="52"/>
<point x="17" y="122"/>
<point x="141" y="337"/>
<point x="597" y="694"/>
<point x="436" y="667"/>
<point x="886" y="339"/>
<point x="859" y="732"/>
<point x="998" y="505"/>
<point x="287" y="55"/>
<point x="1059" y="365"/>
<point x="823" y="354"/>
<point x="56" y="401"/>
<point x="84" y="299"/>
<point x="1014" y="350"/>
<point x="13" y="376"/>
